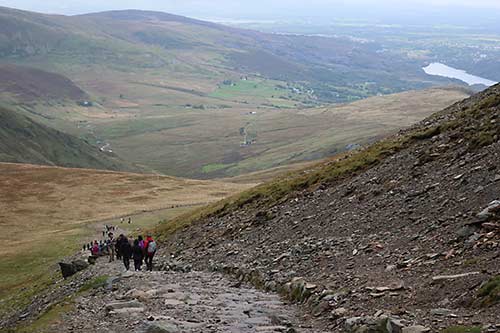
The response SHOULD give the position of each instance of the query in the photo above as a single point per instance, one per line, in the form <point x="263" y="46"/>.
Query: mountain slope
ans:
<point x="27" y="84"/>
<point x="393" y="227"/>
<point x="23" y="140"/>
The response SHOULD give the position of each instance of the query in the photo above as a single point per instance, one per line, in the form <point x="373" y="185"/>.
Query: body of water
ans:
<point x="439" y="69"/>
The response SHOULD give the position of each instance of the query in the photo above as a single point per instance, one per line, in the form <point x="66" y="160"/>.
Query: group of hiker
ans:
<point x="140" y="250"/>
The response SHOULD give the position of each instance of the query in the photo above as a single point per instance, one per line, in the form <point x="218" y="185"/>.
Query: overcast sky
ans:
<point x="267" y="8"/>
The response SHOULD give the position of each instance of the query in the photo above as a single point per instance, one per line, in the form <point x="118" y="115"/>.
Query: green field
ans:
<point x="268" y="92"/>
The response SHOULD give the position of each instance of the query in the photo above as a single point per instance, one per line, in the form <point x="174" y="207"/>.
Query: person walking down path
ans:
<point x="118" y="246"/>
<point x="111" y="247"/>
<point x="95" y="249"/>
<point x="141" y="244"/>
<point x="150" y="249"/>
<point x="137" y="255"/>
<point x="126" y="252"/>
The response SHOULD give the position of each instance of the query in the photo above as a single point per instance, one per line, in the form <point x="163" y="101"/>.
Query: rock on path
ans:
<point x="156" y="302"/>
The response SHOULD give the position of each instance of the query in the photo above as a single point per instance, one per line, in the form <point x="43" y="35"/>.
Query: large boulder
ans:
<point x="67" y="270"/>
<point x="80" y="265"/>
<point x="72" y="268"/>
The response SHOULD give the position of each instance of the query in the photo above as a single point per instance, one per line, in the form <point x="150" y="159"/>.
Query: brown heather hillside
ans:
<point x="29" y="84"/>
<point x="391" y="229"/>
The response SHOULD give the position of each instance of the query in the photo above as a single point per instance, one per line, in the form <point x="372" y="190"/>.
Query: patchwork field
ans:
<point x="47" y="213"/>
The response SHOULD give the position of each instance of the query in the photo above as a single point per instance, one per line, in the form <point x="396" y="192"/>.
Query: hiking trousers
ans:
<point x="126" y="262"/>
<point x="149" y="261"/>
<point x="137" y="264"/>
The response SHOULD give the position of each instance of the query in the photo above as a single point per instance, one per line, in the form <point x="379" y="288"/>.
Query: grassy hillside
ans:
<point x="23" y="140"/>
<point x="51" y="211"/>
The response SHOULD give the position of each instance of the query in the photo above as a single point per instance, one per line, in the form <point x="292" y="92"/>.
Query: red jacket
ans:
<point x="146" y="243"/>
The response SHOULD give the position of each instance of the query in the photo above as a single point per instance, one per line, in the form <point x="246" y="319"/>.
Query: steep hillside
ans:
<point x="23" y="140"/>
<point x="26" y="84"/>
<point x="392" y="230"/>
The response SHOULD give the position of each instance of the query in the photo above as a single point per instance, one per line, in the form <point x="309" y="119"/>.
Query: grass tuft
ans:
<point x="427" y="133"/>
<point x="95" y="283"/>
<point x="490" y="292"/>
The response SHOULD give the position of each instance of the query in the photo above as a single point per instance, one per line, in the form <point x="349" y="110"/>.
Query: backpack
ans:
<point x="151" y="247"/>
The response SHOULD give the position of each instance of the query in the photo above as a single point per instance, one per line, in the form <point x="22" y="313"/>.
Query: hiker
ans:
<point x="118" y="245"/>
<point x="150" y="249"/>
<point x="129" y="220"/>
<point x="137" y="255"/>
<point x="141" y="243"/>
<point x="111" y="247"/>
<point x="126" y="250"/>
<point x="95" y="249"/>
<point x="121" y="220"/>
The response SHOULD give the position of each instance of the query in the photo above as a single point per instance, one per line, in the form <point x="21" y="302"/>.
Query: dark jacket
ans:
<point x="137" y="252"/>
<point x="126" y="248"/>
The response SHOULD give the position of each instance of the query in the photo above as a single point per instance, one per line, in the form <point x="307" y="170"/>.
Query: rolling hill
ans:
<point x="22" y="140"/>
<point x="336" y="68"/>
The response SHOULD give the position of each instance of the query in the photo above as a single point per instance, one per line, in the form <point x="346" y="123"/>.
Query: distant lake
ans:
<point x="439" y="69"/>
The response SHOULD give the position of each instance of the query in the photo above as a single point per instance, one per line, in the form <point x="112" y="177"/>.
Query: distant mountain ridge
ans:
<point x="144" y="39"/>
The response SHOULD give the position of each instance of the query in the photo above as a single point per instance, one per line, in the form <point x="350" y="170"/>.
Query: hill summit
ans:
<point x="406" y="229"/>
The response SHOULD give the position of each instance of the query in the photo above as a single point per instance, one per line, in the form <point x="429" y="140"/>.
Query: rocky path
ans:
<point x="157" y="301"/>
